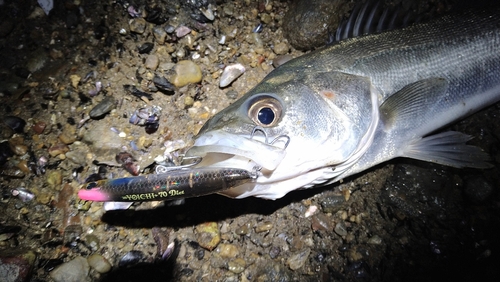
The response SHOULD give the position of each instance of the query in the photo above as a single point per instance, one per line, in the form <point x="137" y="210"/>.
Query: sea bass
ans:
<point x="347" y="107"/>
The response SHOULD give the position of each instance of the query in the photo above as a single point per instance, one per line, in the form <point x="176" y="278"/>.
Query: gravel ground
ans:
<point x="67" y="84"/>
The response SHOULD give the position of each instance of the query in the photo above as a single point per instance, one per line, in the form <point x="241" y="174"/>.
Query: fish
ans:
<point x="342" y="109"/>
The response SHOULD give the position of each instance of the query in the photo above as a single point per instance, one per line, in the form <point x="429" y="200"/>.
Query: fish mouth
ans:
<point x="223" y="149"/>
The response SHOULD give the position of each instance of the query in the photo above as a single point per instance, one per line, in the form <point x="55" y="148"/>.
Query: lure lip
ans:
<point x="239" y="146"/>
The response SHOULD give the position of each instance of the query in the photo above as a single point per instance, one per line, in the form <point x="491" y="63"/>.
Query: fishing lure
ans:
<point x="168" y="185"/>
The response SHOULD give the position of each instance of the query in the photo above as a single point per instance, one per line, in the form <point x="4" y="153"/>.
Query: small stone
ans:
<point x="321" y="222"/>
<point x="281" y="48"/>
<point x="19" y="149"/>
<point x="58" y="149"/>
<point x="137" y="25"/>
<point x="54" y="178"/>
<point x="76" y="157"/>
<point x="39" y="127"/>
<point x="186" y="72"/>
<point x="152" y="62"/>
<point x="230" y="74"/>
<point x="375" y="240"/>
<point x="237" y="265"/>
<point x="297" y="260"/>
<point x="208" y="235"/>
<point x="266" y="18"/>
<point x="182" y="31"/>
<point x="264" y="227"/>
<point x="105" y="106"/>
<point x="99" y="263"/>
<point x="75" y="270"/>
<point x="340" y="229"/>
<point x="160" y="34"/>
<point x="332" y="203"/>
<point x="228" y="250"/>
<point x="244" y="229"/>
<point x="68" y="136"/>
<point x="16" y="265"/>
<point x="75" y="79"/>
<point x="188" y="101"/>
<point x="23" y="166"/>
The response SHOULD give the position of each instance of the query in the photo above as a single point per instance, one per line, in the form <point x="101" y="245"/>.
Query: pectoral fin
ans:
<point x="413" y="112"/>
<point x="448" y="148"/>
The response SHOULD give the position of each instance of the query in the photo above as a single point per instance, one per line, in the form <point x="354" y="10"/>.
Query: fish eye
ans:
<point x="265" y="112"/>
<point x="91" y="185"/>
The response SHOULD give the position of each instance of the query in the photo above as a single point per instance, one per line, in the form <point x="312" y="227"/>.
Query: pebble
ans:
<point x="131" y="258"/>
<point x="68" y="136"/>
<point x="182" y="31"/>
<point x="307" y="22"/>
<point x="17" y="124"/>
<point x="105" y="106"/>
<point x="137" y="25"/>
<point x="237" y="265"/>
<point x="230" y="74"/>
<point x="297" y="260"/>
<point x="76" y="157"/>
<point x="99" y="263"/>
<point x="160" y="34"/>
<point x="332" y="203"/>
<point x="58" y="149"/>
<point x="54" y="178"/>
<point x="264" y="226"/>
<point x="19" y="149"/>
<point x="321" y="222"/>
<point x="75" y="270"/>
<point x="39" y="127"/>
<point x="244" y="229"/>
<point x="98" y="135"/>
<point x="340" y="229"/>
<point x="186" y="72"/>
<point x="75" y="79"/>
<point x="228" y="250"/>
<point x="375" y="240"/>
<point x="152" y="62"/>
<point x="281" y="48"/>
<point x="16" y="265"/>
<point x="208" y="235"/>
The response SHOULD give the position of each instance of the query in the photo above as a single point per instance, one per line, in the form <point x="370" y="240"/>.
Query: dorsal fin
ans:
<point x="372" y="17"/>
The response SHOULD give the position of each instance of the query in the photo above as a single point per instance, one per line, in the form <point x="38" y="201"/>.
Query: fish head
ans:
<point x="296" y="128"/>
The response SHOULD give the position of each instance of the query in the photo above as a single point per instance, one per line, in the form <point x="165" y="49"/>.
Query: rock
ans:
<point x="160" y="34"/>
<point x="58" y="149"/>
<point x="281" y="48"/>
<point x="332" y="203"/>
<point x="297" y="260"/>
<point x="68" y="136"/>
<point x="39" y="127"/>
<point x="75" y="79"/>
<point x="76" y="270"/>
<point x="54" y="178"/>
<point x="137" y="25"/>
<point x="152" y="62"/>
<point x="321" y="222"/>
<point x="264" y="226"/>
<point x="237" y="265"/>
<point x="105" y="106"/>
<point x="230" y="74"/>
<point x="102" y="139"/>
<point x="16" y="265"/>
<point x="340" y="229"/>
<point x="208" y="235"/>
<point x="99" y="263"/>
<point x="307" y="22"/>
<point x="228" y="250"/>
<point x="76" y="157"/>
<point x="186" y="72"/>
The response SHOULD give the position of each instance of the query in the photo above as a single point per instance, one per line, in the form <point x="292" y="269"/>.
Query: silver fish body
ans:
<point x="343" y="109"/>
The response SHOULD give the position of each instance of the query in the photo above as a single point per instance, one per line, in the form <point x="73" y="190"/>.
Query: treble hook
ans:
<point x="266" y="139"/>
<point x="163" y="169"/>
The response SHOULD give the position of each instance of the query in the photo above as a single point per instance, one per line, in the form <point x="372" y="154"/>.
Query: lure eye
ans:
<point x="91" y="185"/>
<point x="265" y="112"/>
